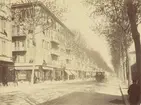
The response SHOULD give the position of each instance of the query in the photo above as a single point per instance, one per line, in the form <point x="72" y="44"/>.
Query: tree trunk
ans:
<point x="128" y="69"/>
<point x="136" y="37"/>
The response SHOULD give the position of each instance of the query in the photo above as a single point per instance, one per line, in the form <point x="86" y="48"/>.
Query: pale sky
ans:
<point x="77" y="18"/>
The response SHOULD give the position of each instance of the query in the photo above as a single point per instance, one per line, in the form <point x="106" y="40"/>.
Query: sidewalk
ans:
<point x="124" y="89"/>
<point x="27" y="86"/>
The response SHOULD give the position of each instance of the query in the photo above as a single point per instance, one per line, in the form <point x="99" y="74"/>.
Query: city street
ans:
<point x="69" y="52"/>
<point x="69" y="93"/>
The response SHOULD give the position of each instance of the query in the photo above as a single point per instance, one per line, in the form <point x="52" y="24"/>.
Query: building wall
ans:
<point x="5" y="34"/>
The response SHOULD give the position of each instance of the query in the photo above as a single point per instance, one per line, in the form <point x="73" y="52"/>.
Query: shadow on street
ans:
<point x="82" y="98"/>
<point x="117" y="101"/>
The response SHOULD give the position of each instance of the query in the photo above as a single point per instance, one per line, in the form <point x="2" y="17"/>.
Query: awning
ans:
<point x="25" y="67"/>
<point x="68" y="72"/>
<point x="74" y="72"/>
<point x="47" y="68"/>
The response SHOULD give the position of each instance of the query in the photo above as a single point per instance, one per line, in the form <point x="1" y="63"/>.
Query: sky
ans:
<point x="77" y="18"/>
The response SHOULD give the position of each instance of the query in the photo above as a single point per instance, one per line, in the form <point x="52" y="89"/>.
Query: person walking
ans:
<point x="134" y="93"/>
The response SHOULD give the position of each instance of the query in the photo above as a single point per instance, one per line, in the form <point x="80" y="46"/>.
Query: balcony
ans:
<point x="15" y="36"/>
<point x="54" y="37"/>
<point x="55" y="51"/>
<point x="19" y="49"/>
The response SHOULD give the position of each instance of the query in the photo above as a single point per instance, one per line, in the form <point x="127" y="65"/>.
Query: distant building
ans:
<point x="5" y="41"/>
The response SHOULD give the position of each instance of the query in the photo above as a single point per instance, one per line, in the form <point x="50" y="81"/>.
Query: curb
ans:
<point x="123" y="96"/>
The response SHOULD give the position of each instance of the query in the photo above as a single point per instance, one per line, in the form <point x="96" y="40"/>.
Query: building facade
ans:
<point x="5" y="42"/>
<point x="42" y="46"/>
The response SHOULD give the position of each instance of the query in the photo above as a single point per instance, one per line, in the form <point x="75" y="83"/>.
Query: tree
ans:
<point x="58" y="10"/>
<point x="118" y="14"/>
<point x="132" y="14"/>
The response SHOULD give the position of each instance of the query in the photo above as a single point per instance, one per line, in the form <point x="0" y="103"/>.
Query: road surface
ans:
<point x="75" y="93"/>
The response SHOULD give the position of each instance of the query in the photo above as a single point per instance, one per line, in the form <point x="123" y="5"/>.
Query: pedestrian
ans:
<point x="134" y="93"/>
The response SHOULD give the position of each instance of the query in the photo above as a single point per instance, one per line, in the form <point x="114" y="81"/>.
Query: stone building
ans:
<point x="5" y="42"/>
<point x="42" y="45"/>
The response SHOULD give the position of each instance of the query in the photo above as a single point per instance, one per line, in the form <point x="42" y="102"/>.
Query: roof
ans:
<point x="38" y="3"/>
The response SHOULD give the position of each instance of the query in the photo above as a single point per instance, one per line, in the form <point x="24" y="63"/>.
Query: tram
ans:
<point x="100" y="76"/>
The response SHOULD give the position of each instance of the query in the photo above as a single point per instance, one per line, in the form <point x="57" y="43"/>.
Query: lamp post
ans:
<point x="33" y="68"/>
<point x="34" y="44"/>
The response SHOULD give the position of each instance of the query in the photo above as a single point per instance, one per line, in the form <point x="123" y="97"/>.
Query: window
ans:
<point x="28" y="43"/>
<point x="54" y="57"/>
<point x="19" y="44"/>
<point x="23" y="43"/>
<point x="58" y="27"/>
<point x="18" y="29"/>
<point x="42" y="43"/>
<point x="21" y="30"/>
<point x="23" y="14"/>
<point x="68" y="51"/>
<point x="30" y="31"/>
<point x="54" y="45"/>
<point x="68" y="61"/>
<point x="46" y="45"/>
<point x="13" y="30"/>
<point x="3" y="25"/>
<point x="20" y="58"/>
<point x="16" y="45"/>
<point x="4" y="47"/>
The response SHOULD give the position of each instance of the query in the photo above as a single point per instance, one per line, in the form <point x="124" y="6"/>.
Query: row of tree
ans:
<point x="120" y="29"/>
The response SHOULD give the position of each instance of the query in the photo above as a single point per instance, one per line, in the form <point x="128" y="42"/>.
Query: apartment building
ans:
<point x="37" y="42"/>
<point x="5" y="42"/>
<point x="40" y="44"/>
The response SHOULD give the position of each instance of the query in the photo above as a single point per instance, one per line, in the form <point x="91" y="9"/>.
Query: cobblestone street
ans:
<point x="72" y="93"/>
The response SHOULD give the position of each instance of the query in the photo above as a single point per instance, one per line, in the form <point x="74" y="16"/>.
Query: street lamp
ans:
<point x="34" y="44"/>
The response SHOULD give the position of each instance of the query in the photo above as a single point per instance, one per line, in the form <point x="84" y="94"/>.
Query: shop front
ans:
<point x="88" y="74"/>
<point x="74" y="74"/>
<point x="58" y="74"/>
<point x="47" y="73"/>
<point x="68" y="74"/>
<point x="23" y="73"/>
<point x="5" y="73"/>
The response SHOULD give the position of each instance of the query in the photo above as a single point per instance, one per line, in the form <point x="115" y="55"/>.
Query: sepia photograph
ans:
<point x="70" y="52"/>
